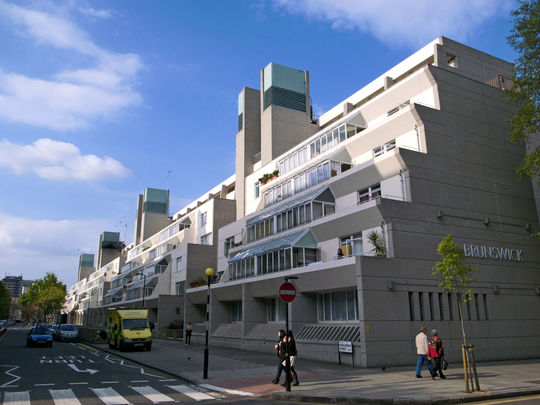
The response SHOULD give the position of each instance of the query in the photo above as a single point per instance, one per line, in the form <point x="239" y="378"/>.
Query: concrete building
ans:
<point x="419" y="153"/>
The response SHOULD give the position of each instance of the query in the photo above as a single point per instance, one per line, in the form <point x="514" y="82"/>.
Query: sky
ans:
<point x="101" y="99"/>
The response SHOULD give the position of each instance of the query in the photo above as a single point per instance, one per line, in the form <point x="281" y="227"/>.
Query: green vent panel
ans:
<point x="110" y="240"/>
<point x="284" y="98"/>
<point x="155" y="200"/>
<point x="240" y="122"/>
<point x="284" y="86"/>
<point x="86" y="260"/>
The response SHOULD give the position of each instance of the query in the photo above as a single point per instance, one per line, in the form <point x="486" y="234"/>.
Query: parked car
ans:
<point x="39" y="336"/>
<point x="67" y="332"/>
<point x="3" y="326"/>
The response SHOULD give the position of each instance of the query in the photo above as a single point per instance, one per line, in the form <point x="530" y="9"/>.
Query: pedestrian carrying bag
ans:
<point x="444" y="364"/>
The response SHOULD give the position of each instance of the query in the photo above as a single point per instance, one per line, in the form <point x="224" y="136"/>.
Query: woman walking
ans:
<point x="292" y="356"/>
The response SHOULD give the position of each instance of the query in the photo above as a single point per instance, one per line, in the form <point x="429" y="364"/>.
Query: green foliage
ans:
<point x="454" y="274"/>
<point x="5" y="301"/>
<point x="375" y="238"/>
<point x="46" y="295"/>
<point x="526" y="90"/>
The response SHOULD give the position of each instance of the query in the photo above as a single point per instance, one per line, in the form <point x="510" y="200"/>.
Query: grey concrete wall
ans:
<point x="248" y="143"/>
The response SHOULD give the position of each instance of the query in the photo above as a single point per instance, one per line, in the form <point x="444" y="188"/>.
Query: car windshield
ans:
<point x="68" y="327"/>
<point x="134" y="324"/>
<point x="40" y="331"/>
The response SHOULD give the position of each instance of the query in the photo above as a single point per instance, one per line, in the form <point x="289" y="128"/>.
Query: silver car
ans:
<point x="67" y="332"/>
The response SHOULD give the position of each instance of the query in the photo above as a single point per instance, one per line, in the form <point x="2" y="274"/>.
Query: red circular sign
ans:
<point x="287" y="292"/>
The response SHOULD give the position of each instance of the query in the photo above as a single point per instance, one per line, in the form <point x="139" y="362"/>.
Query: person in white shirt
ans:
<point x="422" y="352"/>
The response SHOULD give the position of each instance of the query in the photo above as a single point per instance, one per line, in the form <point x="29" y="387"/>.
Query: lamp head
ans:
<point x="209" y="271"/>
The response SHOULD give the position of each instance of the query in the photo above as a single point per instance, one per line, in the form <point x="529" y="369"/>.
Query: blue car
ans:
<point x="39" y="336"/>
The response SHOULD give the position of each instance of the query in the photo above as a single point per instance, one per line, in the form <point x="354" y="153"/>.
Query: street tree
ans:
<point x="46" y="294"/>
<point x="5" y="301"/>
<point x="454" y="277"/>
<point x="525" y="93"/>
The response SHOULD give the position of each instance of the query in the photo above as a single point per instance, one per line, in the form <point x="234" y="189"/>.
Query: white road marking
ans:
<point x="44" y="385"/>
<point x="89" y="370"/>
<point x="153" y="395"/>
<point x="138" y="381"/>
<point x="190" y="392"/>
<point x="169" y="380"/>
<point x="17" y="398"/>
<point x="110" y="396"/>
<point x="17" y="378"/>
<point x="64" y="397"/>
<point x="227" y="390"/>
<point x="79" y="383"/>
<point x="109" y="382"/>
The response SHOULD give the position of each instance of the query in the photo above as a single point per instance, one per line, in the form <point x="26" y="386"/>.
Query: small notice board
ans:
<point x="345" y="346"/>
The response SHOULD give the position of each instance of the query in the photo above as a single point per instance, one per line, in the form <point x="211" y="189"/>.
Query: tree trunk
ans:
<point x="461" y="320"/>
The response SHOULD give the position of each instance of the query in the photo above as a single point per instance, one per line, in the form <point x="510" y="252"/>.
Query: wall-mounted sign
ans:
<point x="493" y="252"/>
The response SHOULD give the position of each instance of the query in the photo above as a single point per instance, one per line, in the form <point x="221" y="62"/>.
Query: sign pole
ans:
<point x="288" y="358"/>
<point x="287" y="293"/>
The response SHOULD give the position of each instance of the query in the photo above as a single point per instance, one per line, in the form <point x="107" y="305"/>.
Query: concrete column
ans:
<point x="253" y="310"/>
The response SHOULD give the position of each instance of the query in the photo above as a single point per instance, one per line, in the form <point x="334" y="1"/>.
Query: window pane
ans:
<point x="288" y="258"/>
<point x="317" y="210"/>
<point x="329" y="209"/>
<point x="327" y="307"/>
<point x="311" y="255"/>
<point x="308" y="212"/>
<point x="323" y="143"/>
<point x="281" y="260"/>
<point x="339" y="306"/>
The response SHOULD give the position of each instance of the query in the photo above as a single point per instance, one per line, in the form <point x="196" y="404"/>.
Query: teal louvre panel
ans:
<point x="86" y="260"/>
<point x="240" y="122"/>
<point x="110" y="240"/>
<point x="284" y="98"/>
<point x="284" y="77"/>
<point x="155" y="200"/>
<point x="155" y="207"/>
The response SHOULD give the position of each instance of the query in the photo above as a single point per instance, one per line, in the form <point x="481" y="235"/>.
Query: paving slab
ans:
<point x="332" y="383"/>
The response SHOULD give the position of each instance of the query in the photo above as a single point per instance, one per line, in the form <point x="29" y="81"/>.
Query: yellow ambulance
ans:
<point x="128" y="329"/>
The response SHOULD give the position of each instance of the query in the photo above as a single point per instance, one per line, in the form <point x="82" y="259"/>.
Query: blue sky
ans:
<point x="101" y="99"/>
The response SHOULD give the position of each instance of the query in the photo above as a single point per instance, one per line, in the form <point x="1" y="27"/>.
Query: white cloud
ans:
<point x="72" y="98"/>
<point x="56" y="160"/>
<point x="398" y="22"/>
<point x="34" y="247"/>
<point x="102" y="13"/>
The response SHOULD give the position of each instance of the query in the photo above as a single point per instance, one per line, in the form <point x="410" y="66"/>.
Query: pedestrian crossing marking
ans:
<point x="227" y="390"/>
<point x="64" y="397"/>
<point x="153" y="395"/>
<point x="110" y="396"/>
<point x="190" y="392"/>
<point x="17" y="398"/>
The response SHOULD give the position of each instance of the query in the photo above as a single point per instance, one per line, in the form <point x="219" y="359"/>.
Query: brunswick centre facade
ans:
<point x="353" y="204"/>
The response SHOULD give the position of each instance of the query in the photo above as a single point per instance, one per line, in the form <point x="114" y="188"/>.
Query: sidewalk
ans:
<point x="324" y="382"/>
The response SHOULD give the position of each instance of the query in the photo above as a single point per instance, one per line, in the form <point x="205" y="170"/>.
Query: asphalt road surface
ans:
<point x="73" y="373"/>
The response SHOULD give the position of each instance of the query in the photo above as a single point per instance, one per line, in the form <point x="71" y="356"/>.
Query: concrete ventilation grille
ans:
<point x="327" y="333"/>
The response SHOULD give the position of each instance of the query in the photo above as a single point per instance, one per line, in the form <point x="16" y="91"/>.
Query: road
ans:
<point x="73" y="373"/>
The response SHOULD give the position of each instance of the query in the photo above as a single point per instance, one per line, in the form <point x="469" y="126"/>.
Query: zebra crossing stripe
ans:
<point x="110" y="396"/>
<point x="64" y="397"/>
<point x="226" y="390"/>
<point x="153" y="395"/>
<point x="190" y="392"/>
<point x="17" y="398"/>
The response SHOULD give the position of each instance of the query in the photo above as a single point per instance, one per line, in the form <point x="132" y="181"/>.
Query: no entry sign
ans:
<point x="287" y="292"/>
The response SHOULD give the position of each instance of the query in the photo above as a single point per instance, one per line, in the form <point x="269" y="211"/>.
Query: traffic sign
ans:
<point x="287" y="292"/>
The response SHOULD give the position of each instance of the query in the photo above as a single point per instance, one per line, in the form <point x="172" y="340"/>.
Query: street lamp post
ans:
<point x="144" y="286"/>
<point x="209" y="273"/>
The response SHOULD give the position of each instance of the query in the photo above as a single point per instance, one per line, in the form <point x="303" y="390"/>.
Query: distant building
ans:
<point x="14" y="284"/>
